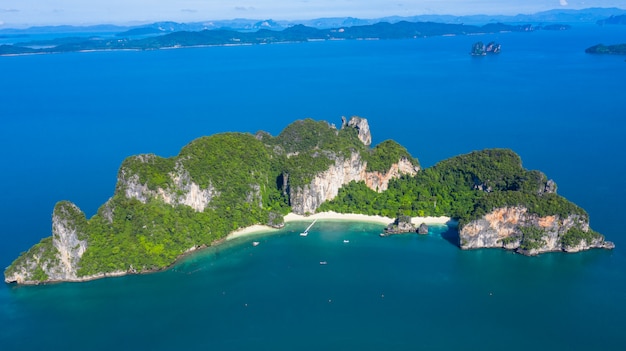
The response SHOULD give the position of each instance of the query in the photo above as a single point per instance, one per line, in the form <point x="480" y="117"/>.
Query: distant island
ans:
<point x="614" y="19"/>
<point x="163" y="208"/>
<point x="296" y="33"/>
<point x="618" y="49"/>
<point x="480" y="49"/>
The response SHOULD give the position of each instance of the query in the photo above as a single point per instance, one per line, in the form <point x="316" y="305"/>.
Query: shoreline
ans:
<point x="330" y="215"/>
<point x="261" y="229"/>
<point x="247" y="231"/>
<point x="334" y="216"/>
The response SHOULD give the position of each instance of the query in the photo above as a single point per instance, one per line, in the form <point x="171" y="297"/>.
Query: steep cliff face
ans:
<point x="380" y="181"/>
<point x="58" y="258"/>
<point x="183" y="190"/>
<point x="325" y="185"/>
<point x="69" y="238"/>
<point x="514" y="228"/>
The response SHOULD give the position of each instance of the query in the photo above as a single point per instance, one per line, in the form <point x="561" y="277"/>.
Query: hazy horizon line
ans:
<point x="8" y="26"/>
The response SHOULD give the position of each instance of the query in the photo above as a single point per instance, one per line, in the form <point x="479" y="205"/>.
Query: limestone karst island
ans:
<point x="163" y="208"/>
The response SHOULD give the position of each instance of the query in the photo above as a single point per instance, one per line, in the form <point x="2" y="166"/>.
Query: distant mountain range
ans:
<point x="590" y="15"/>
<point x="297" y="33"/>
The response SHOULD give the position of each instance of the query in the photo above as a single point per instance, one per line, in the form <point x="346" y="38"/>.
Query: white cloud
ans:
<point x="563" y="2"/>
<point x="244" y="8"/>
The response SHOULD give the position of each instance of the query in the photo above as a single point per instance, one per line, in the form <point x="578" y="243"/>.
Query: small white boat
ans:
<point x="304" y="233"/>
<point x="255" y="243"/>
<point x="346" y="241"/>
<point x="323" y="263"/>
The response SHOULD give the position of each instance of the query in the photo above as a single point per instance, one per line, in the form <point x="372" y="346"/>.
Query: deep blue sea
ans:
<point x="68" y="120"/>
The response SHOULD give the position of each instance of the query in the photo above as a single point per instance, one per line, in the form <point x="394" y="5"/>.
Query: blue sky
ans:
<point x="83" y="12"/>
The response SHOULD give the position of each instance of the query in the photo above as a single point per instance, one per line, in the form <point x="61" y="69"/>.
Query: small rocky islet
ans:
<point x="404" y="225"/>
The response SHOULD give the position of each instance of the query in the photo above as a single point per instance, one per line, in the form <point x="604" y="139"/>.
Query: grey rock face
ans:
<point x="550" y="187"/>
<point x="183" y="192"/>
<point x="58" y="262"/>
<point x="66" y="238"/>
<point x="400" y="225"/>
<point x="361" y="125"/>
<point x="325" y="185"/>
<point x="422" y="229"/>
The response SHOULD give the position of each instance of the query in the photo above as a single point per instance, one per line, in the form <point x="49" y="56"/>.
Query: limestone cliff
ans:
<point x="325" y="185"/>
<point x="379" y="181"/>
<point x="182" y="191"/>
<point x="515" y="228"/>
<point x="58" y="258"/>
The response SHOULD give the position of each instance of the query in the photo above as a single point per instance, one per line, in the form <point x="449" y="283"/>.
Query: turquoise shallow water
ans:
<point x="69" y="120"/>
<point x="399" y="292"/>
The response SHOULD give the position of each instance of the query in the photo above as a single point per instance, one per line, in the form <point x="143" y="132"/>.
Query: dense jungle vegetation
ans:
<point x="249" y="176"/>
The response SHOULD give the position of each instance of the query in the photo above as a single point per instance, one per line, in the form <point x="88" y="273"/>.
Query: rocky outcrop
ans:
<point x="56" y="259"/>
<point x="401" y="225"/>
<point x="514" y="228"/>
<point x="422" y="229"/>
<point x="361" y="125"/>
<point x="183" y="191"/>
<point x="68" y="237"/>
<point x="325" y="185"/>
<point x="549" y="188"/>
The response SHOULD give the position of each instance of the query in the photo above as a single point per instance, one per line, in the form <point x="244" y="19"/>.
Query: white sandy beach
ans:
<point x="253" y="229"/>
<point x="292" y="217"/>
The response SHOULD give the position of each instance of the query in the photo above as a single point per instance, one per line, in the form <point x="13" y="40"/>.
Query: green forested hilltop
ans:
<point x="383" y="155"/>
<point x="307" y="147"/>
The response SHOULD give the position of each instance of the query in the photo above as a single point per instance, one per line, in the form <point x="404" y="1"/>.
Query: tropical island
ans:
<point x="163" y="208"/>
<point x="297" y="33"/>
<point x="618" y="49"/>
